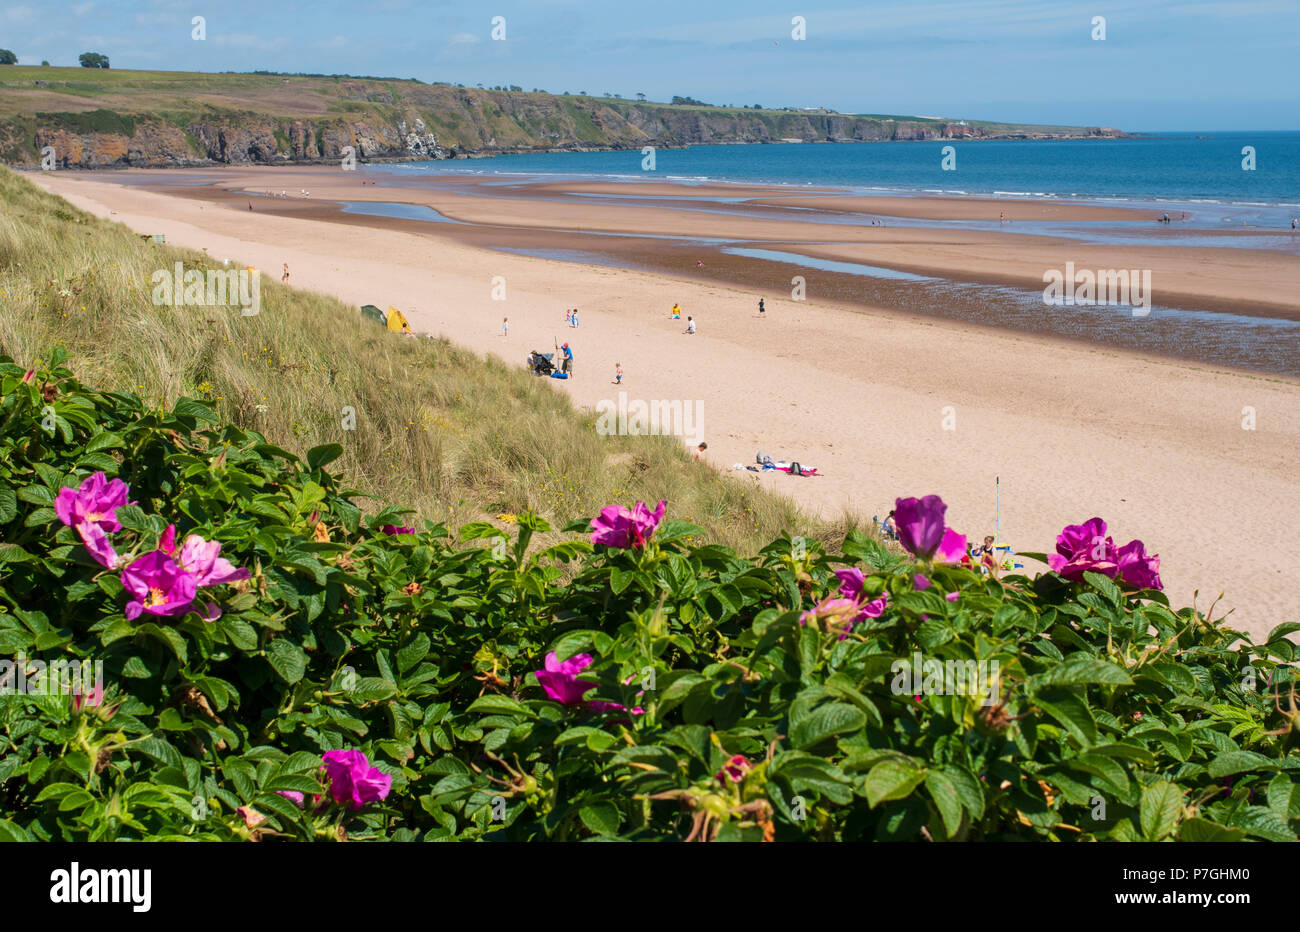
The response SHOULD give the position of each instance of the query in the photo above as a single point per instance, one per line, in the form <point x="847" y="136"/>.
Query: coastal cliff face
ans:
<point x="385" y="120"/>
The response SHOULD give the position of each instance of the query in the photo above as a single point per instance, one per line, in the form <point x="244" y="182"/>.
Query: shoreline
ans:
<point x="1157" y="449"/>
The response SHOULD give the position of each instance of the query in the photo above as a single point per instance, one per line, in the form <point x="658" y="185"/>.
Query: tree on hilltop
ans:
<point x="93" y="60"/>
<point x="7" y="57"/>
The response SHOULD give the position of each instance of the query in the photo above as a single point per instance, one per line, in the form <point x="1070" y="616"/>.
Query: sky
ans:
<point x="1163" y="65"/>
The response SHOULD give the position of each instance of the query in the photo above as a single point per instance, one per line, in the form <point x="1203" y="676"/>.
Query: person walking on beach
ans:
<point x="761" y="309"/>
<point x="690" y="325"/>
<point x="250" y="205"/>
<point x="505" y="326"/>
<point x="573" y="322"/>
<point x="618" y="373"/>
<point x="285" y="277"/>
<point x="567" y="366"/>
<point x="568" y="317"/>
<point x="1293" y="221"/>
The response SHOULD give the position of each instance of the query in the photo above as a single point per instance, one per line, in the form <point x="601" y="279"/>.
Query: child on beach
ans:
<point x="698" y="453"/>
<point x="568" y="317"/>
<point x="285" y="277"/>
<point x="618" y="373"/>
<point x="573" y="321"/>
<point x="690" y="325"/>
<point x="505" y="326"/>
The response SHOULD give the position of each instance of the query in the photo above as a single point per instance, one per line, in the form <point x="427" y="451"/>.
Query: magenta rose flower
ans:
<point x="1136" y="569"/>
<point x="735" y="769"/>
<point x="1086" y="547"/>
<point x="160" y="586"/>
<point x="353" y="782"/>
<point x="616" y="526"/>
<point x="920" y="524"/>
<point x="96" y="502"/>
<point x="560" y="680"/>
<point x="201" y="558"/>
<point x="393" y="530"/>
<point x="97" y="544"/>
<point x="952" y="547"/>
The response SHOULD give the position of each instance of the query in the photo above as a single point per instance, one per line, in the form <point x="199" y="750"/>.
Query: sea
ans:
<point x="1255" y="176"/>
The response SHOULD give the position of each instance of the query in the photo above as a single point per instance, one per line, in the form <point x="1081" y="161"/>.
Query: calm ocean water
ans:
<point x="1190" y="167"/>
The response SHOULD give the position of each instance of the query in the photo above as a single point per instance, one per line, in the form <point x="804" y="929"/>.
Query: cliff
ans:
<point x="116" y="119"/>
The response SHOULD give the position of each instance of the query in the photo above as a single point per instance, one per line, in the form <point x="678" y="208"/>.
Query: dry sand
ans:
<point x="1155" y="447"/>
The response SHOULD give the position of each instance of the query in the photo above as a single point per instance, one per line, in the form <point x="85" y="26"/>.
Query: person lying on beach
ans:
<point x="690" y="325"/>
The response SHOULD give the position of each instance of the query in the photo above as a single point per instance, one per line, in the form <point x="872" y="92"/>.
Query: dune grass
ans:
<point x="456" y="436"/>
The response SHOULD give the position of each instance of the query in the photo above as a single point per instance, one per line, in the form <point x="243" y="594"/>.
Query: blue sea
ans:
<point x="1168" y="168"/>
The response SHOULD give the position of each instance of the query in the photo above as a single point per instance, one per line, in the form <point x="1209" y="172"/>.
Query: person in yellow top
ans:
<point x="677" y="312"/>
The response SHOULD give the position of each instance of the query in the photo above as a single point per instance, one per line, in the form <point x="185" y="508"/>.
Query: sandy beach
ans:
<point x="884" y="402"/>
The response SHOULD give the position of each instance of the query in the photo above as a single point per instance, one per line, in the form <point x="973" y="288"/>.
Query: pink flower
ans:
<point x="89" y="700"/>
<point x="1085" y="547"/>
<point x="920" y="582"/>
<point x="851" y="582"/>
<point x="97" y="545"/>
<point x="920" y="524"/>
<point x="952" y="547"/>
<point x="293" y="796"/>
<point x="736" y="768"/>
<point x="353" y="781"/>
<point x="201" y="559"/>
<point x="876" y="608"/>
<point x="160" y="586"/>
<point x="616" y="526"/>
<point x="1136" y="569"/>
<point x="167" y="543"/>
<point x="393" y="529"/>
<point x="560" y="680"/>
<point x="96" y="502"/>
<point x="953" y="596"/>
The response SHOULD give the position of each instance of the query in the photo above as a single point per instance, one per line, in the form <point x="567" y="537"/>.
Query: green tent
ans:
<point x="374" y="313"/>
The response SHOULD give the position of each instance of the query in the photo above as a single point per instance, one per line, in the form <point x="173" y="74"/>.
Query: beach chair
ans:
<point x="883" y="529"/>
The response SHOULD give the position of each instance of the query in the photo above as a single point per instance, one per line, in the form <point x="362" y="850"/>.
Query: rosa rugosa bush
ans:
<point x="310" y="671"/>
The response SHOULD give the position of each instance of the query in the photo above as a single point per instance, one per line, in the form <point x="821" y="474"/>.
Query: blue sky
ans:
<point x="1164" y="64"/>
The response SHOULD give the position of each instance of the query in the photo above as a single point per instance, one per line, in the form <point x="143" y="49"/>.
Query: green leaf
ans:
<point x="8" y="506"/>
<point x="323" y="455"/>
<point x="497" y="705"/>
<point x="1198" y="829"/>
<point x="189" y="407"/>
<point x="1080" y="669"/>
<point x="891" y="779"/>
<point x="412" y="653"/>
<point x="287" y="659"/>
<point x="946" y="798"/>
<point x="601" y="818"/>
<point x="833" y="718"/>
<point x="1231" y="762"/>
<point x="1161" y="804"/>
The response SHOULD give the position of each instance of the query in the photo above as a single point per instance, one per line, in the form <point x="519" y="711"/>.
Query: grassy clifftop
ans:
<point x="459" y="437"/>
<point x="95" y="118"/>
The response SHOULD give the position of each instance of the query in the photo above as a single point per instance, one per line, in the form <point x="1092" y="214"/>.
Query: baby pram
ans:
<point x="541" y="363"/>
